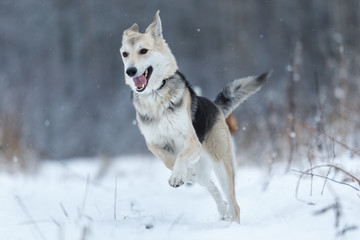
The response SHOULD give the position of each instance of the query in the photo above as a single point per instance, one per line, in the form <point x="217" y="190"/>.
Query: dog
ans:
<point x="187" y="132"/>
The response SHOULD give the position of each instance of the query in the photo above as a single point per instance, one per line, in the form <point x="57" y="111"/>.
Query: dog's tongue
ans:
<point x="140" y="81"/>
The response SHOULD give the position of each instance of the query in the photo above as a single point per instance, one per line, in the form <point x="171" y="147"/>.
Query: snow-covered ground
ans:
<point x="68" y="200"/>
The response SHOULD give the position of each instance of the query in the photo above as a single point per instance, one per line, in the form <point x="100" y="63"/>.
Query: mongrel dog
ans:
<point x="187" y="132"/>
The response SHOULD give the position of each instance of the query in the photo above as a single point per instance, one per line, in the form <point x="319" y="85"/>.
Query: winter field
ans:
<point x="129" y="198"/>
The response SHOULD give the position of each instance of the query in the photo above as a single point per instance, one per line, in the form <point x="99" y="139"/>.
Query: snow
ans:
<point x="71" y="200"/>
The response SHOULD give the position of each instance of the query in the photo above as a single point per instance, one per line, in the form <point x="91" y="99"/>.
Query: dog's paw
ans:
<point x="230" y="218"/>
<point x="177" y="178"/>
<point x="225" y="217"/>
<point x="223" y="210"/>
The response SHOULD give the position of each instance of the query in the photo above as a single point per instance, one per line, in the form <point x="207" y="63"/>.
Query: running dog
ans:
<point x="187" y="132"/>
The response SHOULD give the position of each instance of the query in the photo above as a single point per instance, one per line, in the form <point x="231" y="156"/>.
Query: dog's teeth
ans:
<point x="146" y="73"/>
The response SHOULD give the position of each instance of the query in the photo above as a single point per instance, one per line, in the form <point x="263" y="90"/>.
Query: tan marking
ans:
<point x="232" y="123"/>
<point x="160" y="153"/>
<point x="217" y="142"/>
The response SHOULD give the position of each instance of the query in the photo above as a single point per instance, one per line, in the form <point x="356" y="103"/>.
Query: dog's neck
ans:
<point x="167" y="79"/>
<point x="158" y="100"/>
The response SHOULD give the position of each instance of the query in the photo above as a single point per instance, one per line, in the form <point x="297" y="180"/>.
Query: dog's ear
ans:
<point x="133" y="29"/>
<point x="155" y="28"/>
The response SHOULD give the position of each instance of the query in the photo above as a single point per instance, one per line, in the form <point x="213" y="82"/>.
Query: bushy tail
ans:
<point x="239" y="90"/>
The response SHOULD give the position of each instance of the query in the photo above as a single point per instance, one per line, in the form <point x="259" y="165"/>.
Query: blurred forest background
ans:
<point x="62" y="90"/>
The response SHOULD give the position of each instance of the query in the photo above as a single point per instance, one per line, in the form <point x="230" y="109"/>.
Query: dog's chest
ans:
<point x="163" y="118"/>
<point x="166" y="129"/>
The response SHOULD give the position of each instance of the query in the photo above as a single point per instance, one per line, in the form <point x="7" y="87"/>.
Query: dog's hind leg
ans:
<point x="203" y="178"/>
<point x="218" y="146"/>
<point x="225" y="174"/>
<point x="220" y="203"/>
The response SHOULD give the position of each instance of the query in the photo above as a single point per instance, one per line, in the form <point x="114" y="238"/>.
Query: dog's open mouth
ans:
<point x="142" y="81"/>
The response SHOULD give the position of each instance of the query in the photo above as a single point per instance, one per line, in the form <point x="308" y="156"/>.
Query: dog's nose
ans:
<point x="131" y="71"/>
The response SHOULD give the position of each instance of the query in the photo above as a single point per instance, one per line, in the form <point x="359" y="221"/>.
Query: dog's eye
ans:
<point x="125" y="54"/>
<point x="143" y="51"/>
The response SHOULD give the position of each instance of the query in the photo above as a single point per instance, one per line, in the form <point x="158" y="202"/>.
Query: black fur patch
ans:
<point x="205" y="116"/>
<point x="263" y="77"/>
<point x="203" y="112"/>
<point x="223" y="99"/>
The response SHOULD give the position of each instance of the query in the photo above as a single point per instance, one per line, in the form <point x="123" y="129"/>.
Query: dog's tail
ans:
<point x="239" y="90"/>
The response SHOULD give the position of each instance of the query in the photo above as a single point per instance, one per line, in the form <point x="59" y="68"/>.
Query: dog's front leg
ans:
<point x="189" y="155"/>
<point x="160" y="153"/>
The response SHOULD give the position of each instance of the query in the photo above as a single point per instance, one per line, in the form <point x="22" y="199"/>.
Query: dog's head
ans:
<point x="147" y="58"/>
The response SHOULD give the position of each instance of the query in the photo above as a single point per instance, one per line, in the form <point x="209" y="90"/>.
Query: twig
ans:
<point x="339" y="169"/>
<point x="24" y="209"/>
<point x="337" y="208"/>
<point x="56" y="222"/>
<point x="85" y="233"/>
<point x="337" y="213"/>
<point x="326" y="178"/>
<point x="357" y="152"/>
<point x="333" y="150"/>
<point x="312" y="176"/>
<point x="320" y="125"/>
<point x="317" y="175"/>
<point x="294" y="77"/>
<point x="115" y="197"/>
<point x="347" y="229"/>
<point x="85" y="195"/>
<point x="105" y="164"/>
<point x="63" y="210"/>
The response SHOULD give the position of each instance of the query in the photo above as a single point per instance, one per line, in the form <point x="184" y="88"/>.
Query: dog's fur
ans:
<point x="187" y="132"/>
